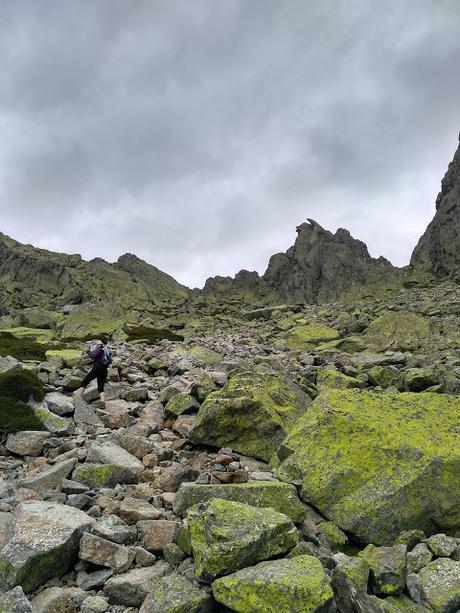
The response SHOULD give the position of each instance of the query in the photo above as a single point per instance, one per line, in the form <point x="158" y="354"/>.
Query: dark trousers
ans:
<point x="99" y="372"/>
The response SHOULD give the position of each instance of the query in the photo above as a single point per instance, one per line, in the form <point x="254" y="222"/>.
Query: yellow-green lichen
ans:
<point x="297" y="585"/>
<point x="252" y="414"/>
<point x="378" y="464"/>
<point x="226" y="536"/>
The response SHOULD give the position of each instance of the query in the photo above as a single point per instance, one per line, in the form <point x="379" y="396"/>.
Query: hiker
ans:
<point x="102" y="357"/>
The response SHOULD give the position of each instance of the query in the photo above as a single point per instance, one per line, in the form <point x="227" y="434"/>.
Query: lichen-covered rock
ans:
<point x="15" y="601"/>
<point x="419" y="557"/>
<point x="103" y="475"/>
<point x="377" y="464"/>
<point x="297" y="585"/>
<point x="53" y="600"/>
<point x="306" y="334"/>
<point x="43" y="543"/>
<point x="399" y="331"/>
<point x="437" y="586"/>
<point x="388" y="568"/>
<point x="397" y="604"/>
<point x="332" y="535"/>
<point x="441" y="545"/>
<point x="181" y="403"/>
<point x="330" y="378"/>
<point x="53" y="423"/>
<point x="349" y="581"/>
<point x="252" y="414"/>
<point x="226" y="536"/>
<point x="281" y="497"/>
<point x="175" y="594"/>
<point x="70" y="357"/>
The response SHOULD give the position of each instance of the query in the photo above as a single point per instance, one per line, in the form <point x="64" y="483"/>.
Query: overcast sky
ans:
<point x="198" y="134"/>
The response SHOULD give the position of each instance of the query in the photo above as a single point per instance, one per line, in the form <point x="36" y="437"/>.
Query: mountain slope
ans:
<point x="36" y="277"/>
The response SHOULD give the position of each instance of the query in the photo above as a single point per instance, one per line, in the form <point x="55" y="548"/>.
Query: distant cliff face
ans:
<point x="36" y="277"/>
<point x="439" y="248"/>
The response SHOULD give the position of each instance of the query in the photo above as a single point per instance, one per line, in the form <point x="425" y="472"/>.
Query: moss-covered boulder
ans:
<point x="305" y="334"/>
<point x="70" y="357"/>
<point x="43" y="543"/>
<point x="398" y="604"/>
<point x="388" y="568"/>
<point x="279" y="496"/>
<point x="103" y="475"/>
<point x="399" y="331"/>
<point x="378" y="464"/>
<point x="176" y="594"/>
<point x="35" y="334"/>
<point x="226" y="536"/>
<point x="53" y="423"/>
<point x="330" y="378"/>
<point x="349" y="581"/>
<point x="181" y="403"/>
<point x="150" y="333"/>
<point x="437" y="586"/>
<point x="297" y="585"/>
<point x="39" y="318"/>
<point x="252" y="414"/>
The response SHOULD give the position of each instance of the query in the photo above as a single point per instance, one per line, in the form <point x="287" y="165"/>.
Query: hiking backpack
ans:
<point x="106" y="358"/>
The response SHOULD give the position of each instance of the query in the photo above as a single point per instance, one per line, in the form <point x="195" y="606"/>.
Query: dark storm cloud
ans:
<point x="198" y="135"/>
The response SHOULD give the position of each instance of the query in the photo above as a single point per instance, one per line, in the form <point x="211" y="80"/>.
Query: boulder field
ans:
<point x="290" y="459"/>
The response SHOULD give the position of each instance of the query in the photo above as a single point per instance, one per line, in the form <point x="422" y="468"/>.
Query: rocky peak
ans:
<point x="438" y="250"/>
<point x="321" y="265"/>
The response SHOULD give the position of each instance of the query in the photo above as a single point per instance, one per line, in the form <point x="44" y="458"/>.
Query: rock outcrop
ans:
<point x="438" y="250"/>
<point x="36" y="277"/>
<point x="320" y="266"/>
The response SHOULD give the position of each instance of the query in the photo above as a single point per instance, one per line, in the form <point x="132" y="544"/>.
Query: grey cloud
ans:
<point x="199" y="138"/>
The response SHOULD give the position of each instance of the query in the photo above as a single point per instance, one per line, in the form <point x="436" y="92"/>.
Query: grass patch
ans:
<point x="16" y="416"/>
<point x="21" y="385"/>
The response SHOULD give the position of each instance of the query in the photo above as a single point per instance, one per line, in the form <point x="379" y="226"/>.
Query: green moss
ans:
<point x="37" y="334"/>
<point x="71" y="357"/>
<point x="399" y="331"/>
<point x="378" y="464"/>
<point x="279" y="496"/>
<point x="297" y="585"/>
<point x="21" y="384"/>
<point x="226" y="536"/>
<point x="336" y="538"/>
<point x="152" y="334"/>
<point x="53" y="423"/>
<point x="181" y="403"/>
<point x="21" y="348"/>
<point x="102" y="475"/>
<point x="16" y="416"/>
<point x="252" y="414"/>
<point x="307" y="333"/>
<point x="330" y="378"/>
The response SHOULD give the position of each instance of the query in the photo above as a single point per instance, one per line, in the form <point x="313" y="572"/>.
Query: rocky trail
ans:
<point x="289" y="459"/>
